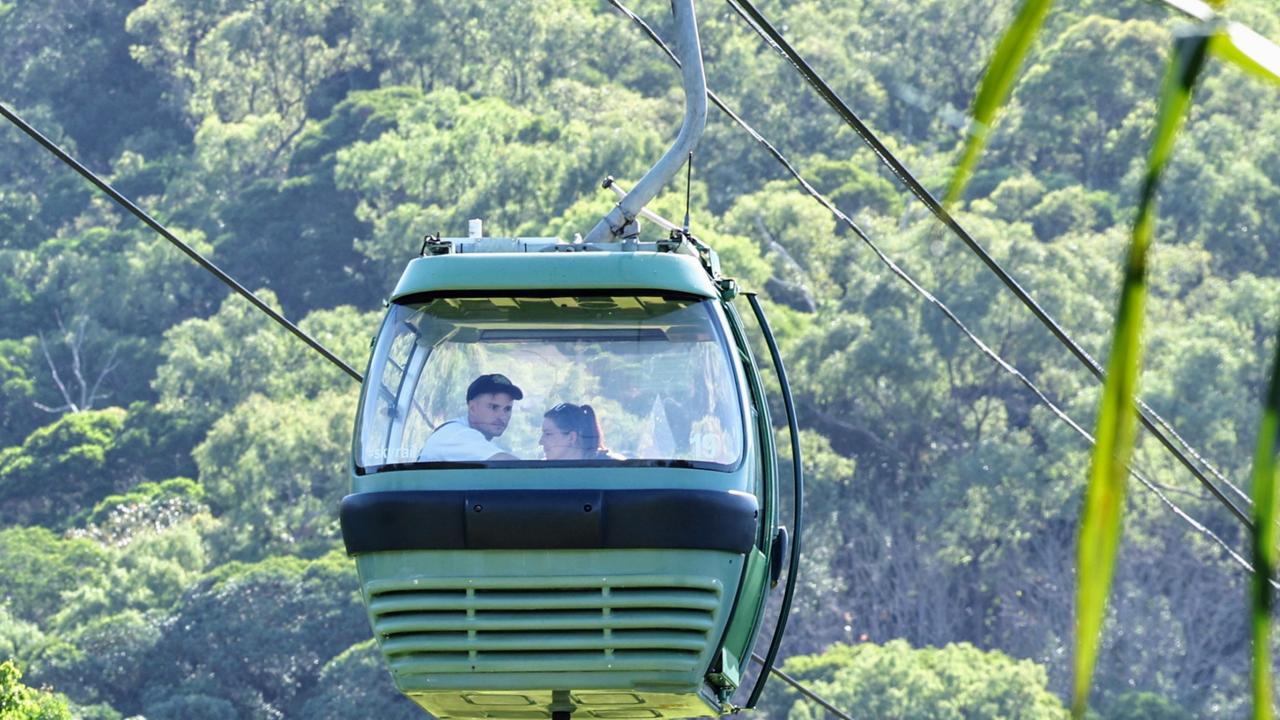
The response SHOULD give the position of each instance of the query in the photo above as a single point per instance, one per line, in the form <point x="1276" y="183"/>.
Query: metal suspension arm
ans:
<point x="695" y="119"/>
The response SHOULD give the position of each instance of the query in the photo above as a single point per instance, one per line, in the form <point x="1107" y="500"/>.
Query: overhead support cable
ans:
<point x="933" y="300"/>
<point x="797" y="685"/>
<point x="191" y="252"/>
<point x="1149" y="418"/>
<point x="826" y="203"/>
<point x="777" y="155"/>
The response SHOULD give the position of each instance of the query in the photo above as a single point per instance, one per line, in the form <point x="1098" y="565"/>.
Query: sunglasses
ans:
<point x="566" y="407"/>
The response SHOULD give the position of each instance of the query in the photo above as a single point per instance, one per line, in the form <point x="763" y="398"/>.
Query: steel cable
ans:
<point x="928" y="296"/>
<point x="885" y="156"/>
<point x="884" y="258"/>
<point x="798" y="686"/>
<point x="1149" y="418"/>
<point x="191" y="252"/>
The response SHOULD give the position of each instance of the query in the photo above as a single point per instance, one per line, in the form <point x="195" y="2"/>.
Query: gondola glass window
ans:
<point x="656" y="370"/>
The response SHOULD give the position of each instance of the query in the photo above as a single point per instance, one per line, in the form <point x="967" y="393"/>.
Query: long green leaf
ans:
<point x="1248" y="50"/>
<point x="1260" y="57"/>
<point x="1264" y="543"/>
<point x="1117" y="422"/>
<point x="994" y="90"/>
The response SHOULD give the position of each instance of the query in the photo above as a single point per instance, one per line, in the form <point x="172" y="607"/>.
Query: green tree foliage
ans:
<point x="449" y="155"/>
<point x="1221" y="189"/>
<point x="194" y="705"/>
<point x="156" y="442"/>
<point x="211" y="365"/>
<point x="796" y="239"/>
<point x="59" y="58"/>
<point x="433" y="44"/>
<point x="81" y="612"/>
<point x="19" y="702"/>
<point x="242" y="72"/>
<point x="1085" y="106"/>
<point x="60" y="469"/>
<point x="101" y="660"/>
<point x="830" y="497"/>
<point x="308" y="147"/>
<point x="356" y="682"/>
<point x="307" y="218"/>
<point x="250" y="640"/>
<point x="39" y="567"/>
<point x="150" y="570"/>
<point x="154" y="282"/>
<point x="17" y="637"/>
<point x="147" y="506"/>
<point x="38" y="193"/>
<point x="90" y="333"/>
<point x="18" y="390"/>
<point x="274" y="470"/>
<point x="896" y="680"/>
<point x="1144" y="706"/>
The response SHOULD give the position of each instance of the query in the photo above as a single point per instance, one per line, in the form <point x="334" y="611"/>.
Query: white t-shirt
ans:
<point x="457" y="441"/>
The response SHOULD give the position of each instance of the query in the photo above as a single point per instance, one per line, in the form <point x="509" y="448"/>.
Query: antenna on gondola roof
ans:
<point x="688" y="184"/>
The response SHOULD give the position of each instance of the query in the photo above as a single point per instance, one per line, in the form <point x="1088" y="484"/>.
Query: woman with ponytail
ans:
<point x="572" y="432"/>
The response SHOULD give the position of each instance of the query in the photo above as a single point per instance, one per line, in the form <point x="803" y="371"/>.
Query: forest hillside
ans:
<point x="171" y="461"/>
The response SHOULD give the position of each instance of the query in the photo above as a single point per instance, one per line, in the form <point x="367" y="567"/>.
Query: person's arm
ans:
<point x="502" y="456"/>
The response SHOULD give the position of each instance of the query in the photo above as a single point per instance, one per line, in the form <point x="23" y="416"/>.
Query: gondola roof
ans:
<point x="543" y="271"/>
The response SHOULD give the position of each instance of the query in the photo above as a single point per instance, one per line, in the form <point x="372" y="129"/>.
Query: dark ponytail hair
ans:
<point x="582" y="420"/>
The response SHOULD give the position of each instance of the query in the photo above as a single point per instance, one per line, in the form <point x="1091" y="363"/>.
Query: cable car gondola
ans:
<point x="505" y="580"/>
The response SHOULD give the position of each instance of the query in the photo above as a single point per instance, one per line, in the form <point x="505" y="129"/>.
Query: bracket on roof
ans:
<point x="621" y="221"/>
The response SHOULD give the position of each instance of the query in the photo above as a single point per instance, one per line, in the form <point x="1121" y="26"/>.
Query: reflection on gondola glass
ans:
<point x="655" y="369"/>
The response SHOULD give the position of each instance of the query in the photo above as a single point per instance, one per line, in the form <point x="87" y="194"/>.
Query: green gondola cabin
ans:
<point x="517" y="563"/>
<point x="626" y="585"/>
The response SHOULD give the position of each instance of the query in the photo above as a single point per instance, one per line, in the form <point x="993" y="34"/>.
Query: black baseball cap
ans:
<point x="493" y="383"/>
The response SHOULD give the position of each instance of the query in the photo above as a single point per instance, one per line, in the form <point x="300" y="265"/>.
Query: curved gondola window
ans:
<point x="655" y="369"/>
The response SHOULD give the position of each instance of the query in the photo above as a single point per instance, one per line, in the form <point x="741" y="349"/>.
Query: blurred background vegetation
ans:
<point x="170" y="462"/>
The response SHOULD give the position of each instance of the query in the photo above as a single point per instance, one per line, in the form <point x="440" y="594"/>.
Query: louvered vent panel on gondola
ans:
<point x="496" y="625"/>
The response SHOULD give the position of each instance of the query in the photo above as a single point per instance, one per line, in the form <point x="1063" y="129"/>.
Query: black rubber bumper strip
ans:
<point x="548" y="520"/>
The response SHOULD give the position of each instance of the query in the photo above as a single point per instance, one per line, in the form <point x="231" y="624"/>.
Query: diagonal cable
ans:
<point x="946" y="311"/>
<point x="798" y="686"/>
<point x="191" y="252"/>
<point x="1149" y="418"/>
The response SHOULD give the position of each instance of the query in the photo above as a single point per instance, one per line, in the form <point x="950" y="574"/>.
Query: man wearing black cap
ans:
<point x="490" y="399"/>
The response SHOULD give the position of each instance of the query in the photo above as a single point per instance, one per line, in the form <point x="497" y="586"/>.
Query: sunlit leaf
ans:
<point x="1264" y="544"/>
<point x="1001" y="72"/>
<point x="1260" y="57"/>
<point x="1250" y="51"/>
<point x="1117" y="421"/>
